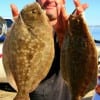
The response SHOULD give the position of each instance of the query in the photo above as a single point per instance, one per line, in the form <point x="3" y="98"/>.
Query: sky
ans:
<point x="92" y="14"/>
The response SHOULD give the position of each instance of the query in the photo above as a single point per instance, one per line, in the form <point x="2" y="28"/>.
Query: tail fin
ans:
<point x="21" y="96"/>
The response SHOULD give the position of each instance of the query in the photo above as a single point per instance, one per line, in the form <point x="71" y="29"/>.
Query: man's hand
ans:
<point x="80" y="7"/>
<point x="14" y="10"/>
<point x="61" y="25"/>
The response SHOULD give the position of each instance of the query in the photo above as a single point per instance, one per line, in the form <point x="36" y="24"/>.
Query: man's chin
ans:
<point x="51" y="17"/>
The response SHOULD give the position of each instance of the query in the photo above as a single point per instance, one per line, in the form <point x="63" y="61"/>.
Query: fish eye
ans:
<point x="34" y="11"/>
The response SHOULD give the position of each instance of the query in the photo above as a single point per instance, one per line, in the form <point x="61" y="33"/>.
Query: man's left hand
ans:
<point x="80" y="7"/>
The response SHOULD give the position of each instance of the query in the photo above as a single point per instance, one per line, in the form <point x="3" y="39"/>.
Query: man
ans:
<point x="53" y="86"/>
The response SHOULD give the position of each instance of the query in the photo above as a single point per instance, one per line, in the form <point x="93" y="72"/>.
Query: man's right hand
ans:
<point x="15" y="11"/>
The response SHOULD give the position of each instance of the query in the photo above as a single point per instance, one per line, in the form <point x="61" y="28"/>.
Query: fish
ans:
<point x="78" y="58"/>
<point x="28" y="50"/>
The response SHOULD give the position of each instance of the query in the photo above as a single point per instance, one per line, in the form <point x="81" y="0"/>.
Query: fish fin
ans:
<point x="21" y="96"/>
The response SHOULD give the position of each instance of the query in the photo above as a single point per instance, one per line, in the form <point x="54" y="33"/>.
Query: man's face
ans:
<point x="52" y="7"/>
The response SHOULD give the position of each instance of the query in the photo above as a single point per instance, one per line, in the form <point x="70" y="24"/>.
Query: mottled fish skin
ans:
<point x="29" y="50"/>
<point x="78" y="57"/>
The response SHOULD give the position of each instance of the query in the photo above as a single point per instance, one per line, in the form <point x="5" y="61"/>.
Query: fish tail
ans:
<point x="21" y="96"/>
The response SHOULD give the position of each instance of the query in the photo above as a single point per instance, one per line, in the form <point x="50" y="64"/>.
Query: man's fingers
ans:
<point x="84" y="6"/>
<point x="14" y="10"/>
<point x="80" y="7"/>
<point x="64" y="13"/>
<point x="77" y="3"/>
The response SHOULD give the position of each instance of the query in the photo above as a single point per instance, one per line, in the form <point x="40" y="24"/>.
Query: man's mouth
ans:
<point x="50" y="6"/>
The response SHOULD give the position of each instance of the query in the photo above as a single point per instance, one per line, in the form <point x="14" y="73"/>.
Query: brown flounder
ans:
<point x="78" y="57"/>
<point x="28" y="50"/>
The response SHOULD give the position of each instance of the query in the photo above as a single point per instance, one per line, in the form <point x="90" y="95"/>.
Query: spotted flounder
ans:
<point x="78" y="57"/>
<point x="28" y="50"/>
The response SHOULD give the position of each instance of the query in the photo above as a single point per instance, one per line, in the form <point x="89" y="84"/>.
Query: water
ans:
<point x="95" y="30"/>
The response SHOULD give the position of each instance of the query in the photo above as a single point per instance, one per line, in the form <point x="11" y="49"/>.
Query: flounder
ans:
<point x="28" y="50"/>
<point x="78" y="57"/>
